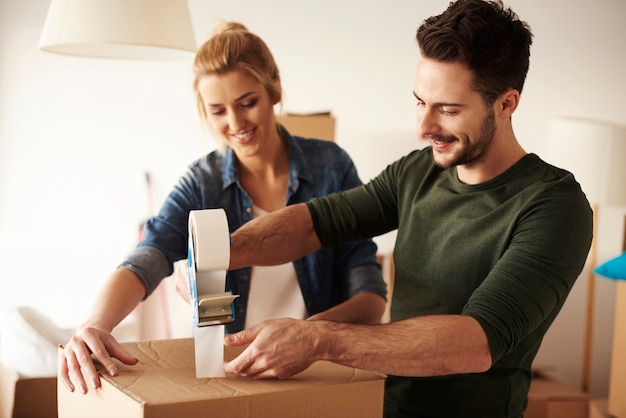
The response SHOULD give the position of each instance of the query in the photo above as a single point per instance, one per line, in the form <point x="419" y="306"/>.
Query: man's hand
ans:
<point x="76" y="366"/>
<point x="279" y="348"/>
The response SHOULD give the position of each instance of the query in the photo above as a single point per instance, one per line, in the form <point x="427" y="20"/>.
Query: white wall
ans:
<point x="77" y="135"/>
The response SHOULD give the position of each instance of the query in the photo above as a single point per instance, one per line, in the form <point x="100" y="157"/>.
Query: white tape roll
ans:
<point x="208" y="260"/>
<point x="211" y="239"/>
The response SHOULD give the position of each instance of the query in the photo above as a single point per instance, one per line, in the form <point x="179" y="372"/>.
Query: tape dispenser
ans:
<point x="207" y="264"/>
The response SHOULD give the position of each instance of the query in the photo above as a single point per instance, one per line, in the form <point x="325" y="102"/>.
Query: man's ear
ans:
<point x="506" y="104"/>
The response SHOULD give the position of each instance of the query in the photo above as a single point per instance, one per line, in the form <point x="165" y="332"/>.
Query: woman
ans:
<point x="259" y="168"/>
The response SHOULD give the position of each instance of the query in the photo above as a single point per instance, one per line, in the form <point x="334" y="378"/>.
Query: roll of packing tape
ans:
<point x="210" y="239"/>
<point x="208" y="260"/>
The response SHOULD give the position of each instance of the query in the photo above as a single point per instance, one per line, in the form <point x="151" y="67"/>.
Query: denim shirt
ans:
<point x="317" y="168"/>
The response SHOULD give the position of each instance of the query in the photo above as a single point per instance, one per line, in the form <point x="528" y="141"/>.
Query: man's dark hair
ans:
<point x="485" y="37"/>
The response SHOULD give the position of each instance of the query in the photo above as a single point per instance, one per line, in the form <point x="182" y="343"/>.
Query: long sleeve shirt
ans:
<point x="505" y="252"/>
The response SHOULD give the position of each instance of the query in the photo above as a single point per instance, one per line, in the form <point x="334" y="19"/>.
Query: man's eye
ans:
<point x="448" y="112"/>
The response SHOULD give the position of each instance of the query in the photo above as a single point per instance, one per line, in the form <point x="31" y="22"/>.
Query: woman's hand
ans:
<point x="76" y="364"/>
<point x="181" y="283"/>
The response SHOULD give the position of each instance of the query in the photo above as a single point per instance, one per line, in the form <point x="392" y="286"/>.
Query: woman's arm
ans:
<point x="120" y="295"/>
<point x="363" y="308"/>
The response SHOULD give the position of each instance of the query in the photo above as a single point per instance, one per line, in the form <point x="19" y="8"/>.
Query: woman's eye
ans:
<point x="217" y="112"/>
<point x="249" y="104"/>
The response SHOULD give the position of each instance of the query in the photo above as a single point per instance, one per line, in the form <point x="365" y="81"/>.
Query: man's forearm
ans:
<point x="273" y="239"/>
<point x="425" y="346"/>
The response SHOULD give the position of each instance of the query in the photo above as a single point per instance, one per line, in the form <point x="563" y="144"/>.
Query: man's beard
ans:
<point x="473" y="152"/>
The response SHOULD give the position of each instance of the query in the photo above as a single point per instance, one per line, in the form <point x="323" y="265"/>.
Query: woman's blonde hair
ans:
<point x="233" y="47"/>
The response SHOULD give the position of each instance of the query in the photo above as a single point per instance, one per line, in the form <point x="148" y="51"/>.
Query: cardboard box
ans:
<point x="550" y="398"/>
<point x="617" y="379"/>
<point x="22" y="397"/>
<point x="598" y="408"/>
<point x="313" y="125"/>
<point x="163" y="384"/>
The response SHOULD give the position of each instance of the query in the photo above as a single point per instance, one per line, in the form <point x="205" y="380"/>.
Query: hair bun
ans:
<point x="225" y="26"/>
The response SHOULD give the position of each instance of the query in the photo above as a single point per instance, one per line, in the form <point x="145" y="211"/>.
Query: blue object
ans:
<point x="614" y="269"/>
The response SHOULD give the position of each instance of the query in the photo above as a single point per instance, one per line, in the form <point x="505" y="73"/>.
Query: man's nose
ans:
<point x="427" y="123"/>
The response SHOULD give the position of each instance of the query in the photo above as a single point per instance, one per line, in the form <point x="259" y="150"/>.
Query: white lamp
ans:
<point x="595" y="152"/>
<point x="142" y="29"/>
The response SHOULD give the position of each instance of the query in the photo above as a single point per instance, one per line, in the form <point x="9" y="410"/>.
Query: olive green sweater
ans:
<point x="505" y="252"/>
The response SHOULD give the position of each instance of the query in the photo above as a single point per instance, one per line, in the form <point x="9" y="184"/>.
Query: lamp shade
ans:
<point x="595" y="152"/>
<point x="143" y="29"/>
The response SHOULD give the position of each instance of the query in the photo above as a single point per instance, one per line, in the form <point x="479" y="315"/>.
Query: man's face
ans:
<point x="452" y="115"/>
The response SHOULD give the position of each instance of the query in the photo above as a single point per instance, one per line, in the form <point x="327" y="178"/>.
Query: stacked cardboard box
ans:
<point x="22" y="397"/>
<point x="617" y="383"/>
<point x="311" y="125"/>
<point x="598" y="408"/>
<point x="551" y="398"/>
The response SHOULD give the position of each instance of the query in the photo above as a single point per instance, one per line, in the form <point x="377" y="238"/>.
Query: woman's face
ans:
<point x="239" y="112"/>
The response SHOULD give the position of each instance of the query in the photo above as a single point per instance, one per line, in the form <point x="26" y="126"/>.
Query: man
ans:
<point x="490" y="239"/>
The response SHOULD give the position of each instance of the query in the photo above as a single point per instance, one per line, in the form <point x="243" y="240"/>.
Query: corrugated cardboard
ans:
<point x="22" y="397"/>
<point x="550" y="398"/>
<point x="163" y="384"/>
<point x="313" y="125"/>
<point x="617" y="382"/>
